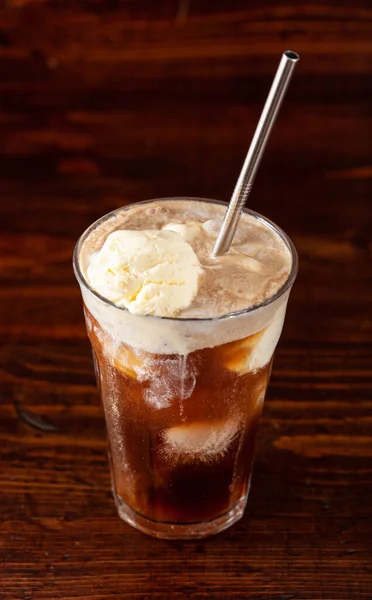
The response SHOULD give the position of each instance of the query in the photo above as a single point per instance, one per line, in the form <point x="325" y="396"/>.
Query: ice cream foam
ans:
<point x="154" y="260"/>
<point x="148" y="272"/>
<point x="178" y="336"/>
<point x="179" y="235"/>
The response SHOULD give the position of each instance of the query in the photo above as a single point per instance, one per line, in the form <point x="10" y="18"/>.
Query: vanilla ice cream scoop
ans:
<point x="148" y="272"/>
<point x="189" y="231"/>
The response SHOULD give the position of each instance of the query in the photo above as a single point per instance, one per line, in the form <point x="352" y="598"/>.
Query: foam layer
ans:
<point x="177" y="336"/>
<point x="256" y="267"/>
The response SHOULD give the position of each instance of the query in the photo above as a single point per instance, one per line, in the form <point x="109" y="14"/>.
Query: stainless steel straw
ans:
<point x="255" y="152"/>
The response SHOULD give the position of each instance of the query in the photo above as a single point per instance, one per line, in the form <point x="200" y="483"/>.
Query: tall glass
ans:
<point x="182" y="424"/>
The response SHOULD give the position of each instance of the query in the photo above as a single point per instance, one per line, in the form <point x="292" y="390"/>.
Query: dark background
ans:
<point x="109" y="102"/>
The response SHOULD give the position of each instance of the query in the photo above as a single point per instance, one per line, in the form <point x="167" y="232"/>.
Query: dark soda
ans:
<point x="181" y="429"/>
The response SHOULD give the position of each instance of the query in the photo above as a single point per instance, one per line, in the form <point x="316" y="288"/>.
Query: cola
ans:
<point x="181" y="429"/>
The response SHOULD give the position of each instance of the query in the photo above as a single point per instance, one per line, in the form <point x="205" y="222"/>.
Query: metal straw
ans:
<point x="255" y="152"/>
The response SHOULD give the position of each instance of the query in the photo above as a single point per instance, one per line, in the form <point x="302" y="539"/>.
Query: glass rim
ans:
<point x="284" y="237"/>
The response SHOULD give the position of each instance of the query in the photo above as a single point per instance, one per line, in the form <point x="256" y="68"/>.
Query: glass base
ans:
<point x="175" y="531"/>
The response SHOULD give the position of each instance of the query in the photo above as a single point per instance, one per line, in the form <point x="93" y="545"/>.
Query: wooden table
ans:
<point x="104" y="103"/>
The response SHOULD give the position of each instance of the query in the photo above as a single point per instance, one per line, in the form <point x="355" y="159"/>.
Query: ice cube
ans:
<point x="129" y="362"/>
<point x="88" y="321"/>
<point x="234" y="355"/>
<point x="254" y="352"/>
<point x="260" y="399"/>
<point x="204" y="441"/>
<point x="165" y="378"/>
<point x="264" y="349"/>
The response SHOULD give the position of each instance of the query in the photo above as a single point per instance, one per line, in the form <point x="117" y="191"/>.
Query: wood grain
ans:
<point x="108" y="102"/>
